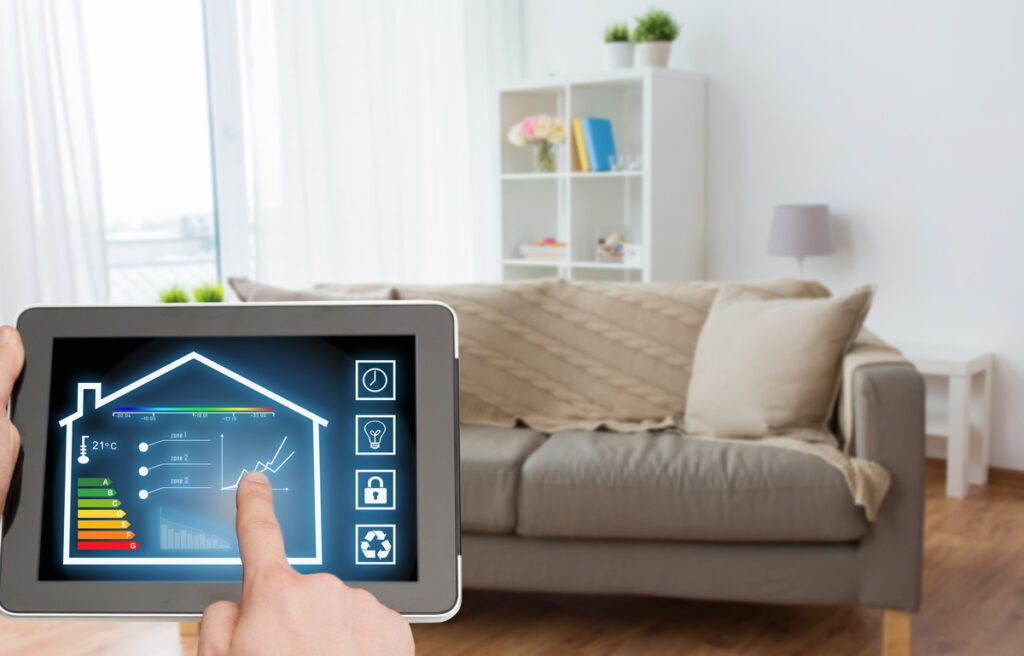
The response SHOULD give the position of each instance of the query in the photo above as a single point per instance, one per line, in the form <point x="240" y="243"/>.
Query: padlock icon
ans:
<point x="375" y="495"/>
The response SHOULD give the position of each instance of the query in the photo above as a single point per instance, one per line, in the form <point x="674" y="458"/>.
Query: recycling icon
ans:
<point x="376" y="545"/>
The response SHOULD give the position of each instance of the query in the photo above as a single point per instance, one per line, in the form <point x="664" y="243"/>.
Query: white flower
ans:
<point x="542" y="127"/>
<point x="557" y="132"/>
<point x="516" y="136"/>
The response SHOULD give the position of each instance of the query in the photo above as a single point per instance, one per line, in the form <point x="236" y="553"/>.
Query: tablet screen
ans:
<point x="148" y="438"/>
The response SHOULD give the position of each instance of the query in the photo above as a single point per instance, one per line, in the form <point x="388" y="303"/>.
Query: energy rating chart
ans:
<point x="101" y="523"/>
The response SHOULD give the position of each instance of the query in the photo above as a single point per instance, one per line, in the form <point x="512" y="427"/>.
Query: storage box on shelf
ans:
<point x="658" y="121"/>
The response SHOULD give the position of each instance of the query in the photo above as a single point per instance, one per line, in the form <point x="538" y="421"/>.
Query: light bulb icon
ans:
<point x="375" y="431"/>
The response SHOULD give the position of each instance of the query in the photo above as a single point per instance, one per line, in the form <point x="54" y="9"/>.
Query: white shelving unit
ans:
<point x="656" y="114"/>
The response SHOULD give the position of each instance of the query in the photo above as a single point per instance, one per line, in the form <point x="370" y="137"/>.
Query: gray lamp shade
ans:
<point x="801" y="230"/>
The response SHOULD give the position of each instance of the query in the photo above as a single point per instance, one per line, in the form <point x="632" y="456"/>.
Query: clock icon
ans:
<point x="375" y="380"/>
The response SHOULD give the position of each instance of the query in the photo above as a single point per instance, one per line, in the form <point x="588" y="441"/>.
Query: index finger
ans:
<point x="12" y="357"/>
<point x="259" y="535"/>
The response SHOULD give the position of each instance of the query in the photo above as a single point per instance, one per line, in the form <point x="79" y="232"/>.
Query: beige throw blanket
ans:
<point x="557" y="355"/>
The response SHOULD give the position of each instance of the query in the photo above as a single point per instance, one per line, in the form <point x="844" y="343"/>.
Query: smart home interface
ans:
<point x="149" y="437"/>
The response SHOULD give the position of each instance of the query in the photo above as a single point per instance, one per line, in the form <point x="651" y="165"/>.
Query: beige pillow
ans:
<point x="766" y="367"/>
<point x="250" y="290"/>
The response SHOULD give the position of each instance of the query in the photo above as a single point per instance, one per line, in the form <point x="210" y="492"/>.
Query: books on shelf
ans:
<point x="597" y="135"/>
<point x="545" y="250"/>
<point x="581" y="146"/>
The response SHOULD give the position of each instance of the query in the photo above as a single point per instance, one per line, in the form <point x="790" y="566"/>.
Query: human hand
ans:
<point x="284" y="612"/>
<point x="12" y="357"/>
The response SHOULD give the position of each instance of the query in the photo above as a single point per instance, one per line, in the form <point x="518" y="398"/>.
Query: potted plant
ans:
<point x="174" y="294"/>
<point x="618" y="49"/>
<point x="209" y="292"/>
<point x="653" y="35"/>
<point x="542" y="131"/>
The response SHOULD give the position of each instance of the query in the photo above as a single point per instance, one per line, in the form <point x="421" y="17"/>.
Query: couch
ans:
<point x="579" y="503"/>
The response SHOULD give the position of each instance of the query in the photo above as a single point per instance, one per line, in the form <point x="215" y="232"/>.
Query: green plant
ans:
<point x="616" y="32"/>
<point x="209" y="292"/>
<point x="655" y="25"/>
<point x="173" y="294"/>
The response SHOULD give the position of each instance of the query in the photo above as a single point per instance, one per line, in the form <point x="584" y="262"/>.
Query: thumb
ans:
<point x="12" y="357"/>
<point x="259" y="535"/>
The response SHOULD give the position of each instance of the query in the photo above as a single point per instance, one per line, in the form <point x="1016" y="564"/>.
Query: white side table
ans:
<point x="969" y="374"/>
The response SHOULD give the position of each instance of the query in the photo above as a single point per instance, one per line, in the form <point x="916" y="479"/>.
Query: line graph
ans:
<point x="271" y="466"/>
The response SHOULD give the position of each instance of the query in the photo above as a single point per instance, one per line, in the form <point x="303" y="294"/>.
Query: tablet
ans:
<point x="138" y="422"/>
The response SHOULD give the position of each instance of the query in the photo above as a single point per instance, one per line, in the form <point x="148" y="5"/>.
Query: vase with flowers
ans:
<point x="542" y="131"/>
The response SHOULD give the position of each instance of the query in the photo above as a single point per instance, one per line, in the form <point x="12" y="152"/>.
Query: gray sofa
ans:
<point x="659" y="512"/>
<point x="664" y="514"/>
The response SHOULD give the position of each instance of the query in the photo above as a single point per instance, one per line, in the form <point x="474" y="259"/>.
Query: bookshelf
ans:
<point x="657" y="115"/>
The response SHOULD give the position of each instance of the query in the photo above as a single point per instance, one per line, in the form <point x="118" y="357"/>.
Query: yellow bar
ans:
<point x="85" y="512"/>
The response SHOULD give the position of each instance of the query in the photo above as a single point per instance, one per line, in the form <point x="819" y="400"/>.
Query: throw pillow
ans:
<point x="250" y="290"/>
<point x="765" y="367"/>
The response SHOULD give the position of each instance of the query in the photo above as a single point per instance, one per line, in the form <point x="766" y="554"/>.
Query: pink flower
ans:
<point x="527" y="126"/>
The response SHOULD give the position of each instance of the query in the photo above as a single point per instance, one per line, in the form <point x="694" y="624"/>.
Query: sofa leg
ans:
<point x="895" y="633"/>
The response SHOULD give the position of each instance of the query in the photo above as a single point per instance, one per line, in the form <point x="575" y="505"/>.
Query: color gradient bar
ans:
<point x="96" y="492"/>
<point x="107" y="545"/>
<point x="192" y="409"/>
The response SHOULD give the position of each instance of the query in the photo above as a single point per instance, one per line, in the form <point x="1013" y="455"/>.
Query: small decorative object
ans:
<point x="653" y="35"/>
<point x="542" y="131"/>
<point x="800" y="231"/>
<point x="633" y="255"/>
<point x="174" y="294"/>
<point x="616" y="162"/>
<point x="611" y="247"/>
<point x="545" y="250"/>
<point x="634" y="162"/>
<point x="209" y="292"/>
<point x="618" y="49"/>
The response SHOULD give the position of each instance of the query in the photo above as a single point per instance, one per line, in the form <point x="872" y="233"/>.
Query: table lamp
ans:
<point x="800" y="231"/>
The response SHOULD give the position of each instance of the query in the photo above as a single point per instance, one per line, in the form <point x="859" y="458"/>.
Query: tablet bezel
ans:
<point x="437" y="594"/>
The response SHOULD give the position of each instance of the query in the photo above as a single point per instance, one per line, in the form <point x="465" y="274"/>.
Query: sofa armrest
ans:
<point x="888" y="428"/>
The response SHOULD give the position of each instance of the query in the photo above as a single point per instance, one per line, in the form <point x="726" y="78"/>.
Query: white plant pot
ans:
<point x="618" y="54"/>
<point x="653" y="53"/>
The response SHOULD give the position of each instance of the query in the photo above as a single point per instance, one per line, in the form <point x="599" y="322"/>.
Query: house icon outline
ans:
<point x="100" y="401"/>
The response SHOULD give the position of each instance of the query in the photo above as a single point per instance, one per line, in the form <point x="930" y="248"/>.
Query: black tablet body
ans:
<point x="138" y="422"/>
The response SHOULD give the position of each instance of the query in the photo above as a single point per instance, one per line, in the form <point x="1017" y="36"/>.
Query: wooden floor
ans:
<point x="973" y="604"/>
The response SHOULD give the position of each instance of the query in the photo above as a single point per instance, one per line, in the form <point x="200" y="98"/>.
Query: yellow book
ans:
<point x="581" y="146"/>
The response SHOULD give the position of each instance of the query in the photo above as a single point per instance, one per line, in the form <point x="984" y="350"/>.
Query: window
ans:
<point x="149" y="91"/>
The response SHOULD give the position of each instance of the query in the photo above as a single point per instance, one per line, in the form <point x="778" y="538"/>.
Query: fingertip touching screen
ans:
<point x="148" y="438"/>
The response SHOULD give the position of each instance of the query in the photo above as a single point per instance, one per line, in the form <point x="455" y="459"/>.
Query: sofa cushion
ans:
<point x="491" y="461"/>
<point x="669" y="486"/>
<point x="560" y="354"/>
<point x="770" y="367"/>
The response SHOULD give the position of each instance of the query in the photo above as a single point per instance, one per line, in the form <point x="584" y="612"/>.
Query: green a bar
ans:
<point x="94" y="492"/>
<point x="98" y="503"/>
<point x="94" y="482"/>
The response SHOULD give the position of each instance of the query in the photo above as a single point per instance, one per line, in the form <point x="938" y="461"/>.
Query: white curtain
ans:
<point x="342" y="139"/>
<point x="51" y="230"/>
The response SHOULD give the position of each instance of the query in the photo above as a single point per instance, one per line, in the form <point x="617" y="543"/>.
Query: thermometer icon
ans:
<point x="83" y="458"/>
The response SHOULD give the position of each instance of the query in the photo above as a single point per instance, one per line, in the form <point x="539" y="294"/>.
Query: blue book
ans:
<point x="597" y="133"/>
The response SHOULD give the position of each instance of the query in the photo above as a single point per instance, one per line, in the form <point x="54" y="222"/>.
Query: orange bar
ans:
<point x="103" y="523"/>
<point x="106" y="535"/>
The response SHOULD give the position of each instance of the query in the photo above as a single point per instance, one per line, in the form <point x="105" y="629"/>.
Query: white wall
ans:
<point x="907" y="117"/>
